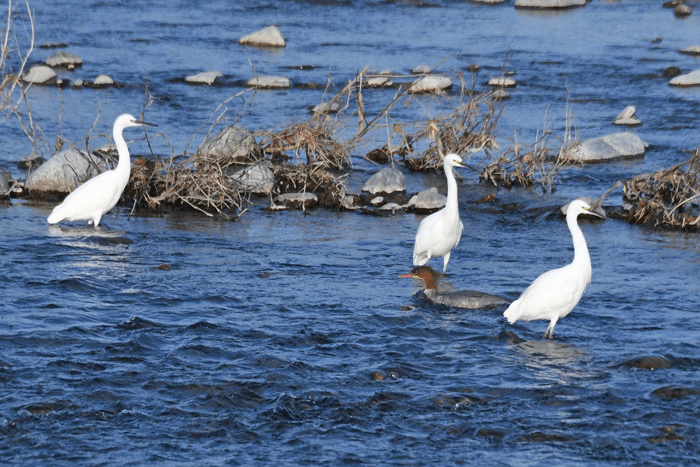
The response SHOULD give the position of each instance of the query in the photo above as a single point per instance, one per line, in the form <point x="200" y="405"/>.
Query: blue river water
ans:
<point x="287" y="338"/>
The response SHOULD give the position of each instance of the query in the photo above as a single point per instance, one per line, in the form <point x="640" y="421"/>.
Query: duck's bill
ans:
<point x="406" y="275"/>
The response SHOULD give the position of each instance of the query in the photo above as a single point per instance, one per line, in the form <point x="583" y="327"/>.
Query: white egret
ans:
<point x="555" y="293"/>
<point x="470" y="299"/>
<point x="440" y="232"/>
<point x="101" y="193"/>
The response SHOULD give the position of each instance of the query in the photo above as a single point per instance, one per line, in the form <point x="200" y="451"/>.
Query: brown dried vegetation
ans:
<point x="668" y="197"/>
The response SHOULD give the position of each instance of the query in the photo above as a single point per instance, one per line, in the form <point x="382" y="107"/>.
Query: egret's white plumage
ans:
<point x="440" y="232"/>
<point x="101" y="193"/>
<point x="555" y="293"/>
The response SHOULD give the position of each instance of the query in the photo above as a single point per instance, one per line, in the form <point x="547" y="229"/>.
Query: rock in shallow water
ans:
<point x="547" y="4"/>
<point x="428" y="201"/>
<point x="267" y="37"/>
<point x="269" y="82"/>
<point x="298" y="200"/>
<point x="64" y="171"/>
<point x="387" y="180"/>
<point x="690" y="79"/>
<point x="234" y="142"/>
<point x="258" y="179"/>
<point x="39" y="74"/>
<point x="64" y="58"/>
<point x="615" y="146"/>
<point x="431" y="84"/>
<point x="207" y="77"/>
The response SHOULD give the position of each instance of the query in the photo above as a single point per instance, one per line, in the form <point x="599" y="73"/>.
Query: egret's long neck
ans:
<point x="451" y="205"/>
<point x="581" y="256"/>
<point x="124" y="164"/>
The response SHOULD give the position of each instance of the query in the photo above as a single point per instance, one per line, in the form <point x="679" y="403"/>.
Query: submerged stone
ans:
<point x="649" y="362"/>
<point x="675" y="392"/>
<point x="502" y="82"/>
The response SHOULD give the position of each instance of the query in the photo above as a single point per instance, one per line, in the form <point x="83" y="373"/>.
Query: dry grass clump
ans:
<point x="668" y="197"/>
<point x="314" y="138"/>
<point x="311" y="178"/>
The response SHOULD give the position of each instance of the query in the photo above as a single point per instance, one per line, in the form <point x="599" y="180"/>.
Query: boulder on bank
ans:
<point x="269" y="82"/>
<point x="40" y="74"/>
<point x="689" y="79"/>
<point x="547" y="4"/>
<point x="387" y="181"/>
<point x="207" y="77"/>
<point x="258" y="179"/>
<point x="431" y="84"/>
<point x="615" y="146"/>
<point x="64" y="58"/>
<point x="64" y="171"/>
<point x="428" y="201"/>
<point x="234" y="143"/>
<point x="267" y="37"/>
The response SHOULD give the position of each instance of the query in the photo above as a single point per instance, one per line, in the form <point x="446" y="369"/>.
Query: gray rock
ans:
<point x="387" y="181"/>
<point x="31" y="162"/>
<point x="376" y="201"/>
<point x="40" y="74"/>
<point x="615" y="146"/>
<point x="428" y="200"/>
<point x="502" y="82"/>
<point x="549" y="3"/>
<point x="682" y="10"/>
<point x="628" y="122"/>
<point x="64" y="171"/>
<point x="267" y="37"/>
<point x="78" y="84"/>
<point x="629" y="112"/>
<point x="431" y="84"/>
<point x="326" y="107"/>
<point x="298" y="200"/>
<point x="269" y="82"/>
<point x="233" y="142"/>
<point x="692" y="50"/>
<point x="258" y="179"/>
<point x="421" y="70"/>
<point x="64" y="58"/>
<point x="4" y="187"/>
<point x="689" y="79"/>
<point x="379" y="81"/>
<point x="390" y="207"/>
<point x="103" y="80"/>
<point x="207" y="77"/>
